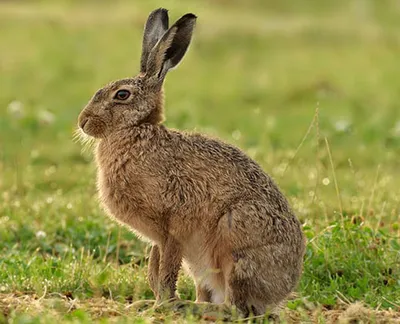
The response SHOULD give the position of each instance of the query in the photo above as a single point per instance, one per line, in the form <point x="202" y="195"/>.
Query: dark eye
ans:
<point x="122" y="95"/>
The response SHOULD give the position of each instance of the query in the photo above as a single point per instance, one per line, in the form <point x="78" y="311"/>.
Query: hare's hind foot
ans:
<point x="259" y="287"/>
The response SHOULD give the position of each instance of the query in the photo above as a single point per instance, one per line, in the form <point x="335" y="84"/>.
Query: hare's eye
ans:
<point x="122" y="95"/>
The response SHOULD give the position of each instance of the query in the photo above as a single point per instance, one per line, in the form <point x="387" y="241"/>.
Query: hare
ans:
<point x="201" y="202"/>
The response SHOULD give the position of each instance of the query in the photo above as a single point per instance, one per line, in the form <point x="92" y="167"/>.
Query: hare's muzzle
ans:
<point x="83" y="122"/>
<point x="83" y="118"/>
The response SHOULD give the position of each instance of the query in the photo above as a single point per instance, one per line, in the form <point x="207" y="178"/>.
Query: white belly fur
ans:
<point x="198" y="264"/>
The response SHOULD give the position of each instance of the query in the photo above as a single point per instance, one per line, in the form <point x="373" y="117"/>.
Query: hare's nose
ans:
<point x="83" y="122"/>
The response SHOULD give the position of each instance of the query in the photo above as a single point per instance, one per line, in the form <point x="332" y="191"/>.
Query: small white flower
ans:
<point x="4" y="219"/>
<point x="46" y="117"/>
<point x="40" y="234"/>
<point x="50" y="170"/>
<point x="16" y="109"/>
<point x="326" y="181"/>
<point x="342" y="125"/>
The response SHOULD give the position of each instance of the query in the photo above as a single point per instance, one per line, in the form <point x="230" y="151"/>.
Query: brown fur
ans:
<point x="199" y="200"/>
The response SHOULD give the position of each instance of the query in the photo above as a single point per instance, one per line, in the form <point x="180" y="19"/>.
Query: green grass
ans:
<point x="258" y="74"/>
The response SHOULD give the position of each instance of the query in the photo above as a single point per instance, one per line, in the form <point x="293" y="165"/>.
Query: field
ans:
<point x="309" y="89"/>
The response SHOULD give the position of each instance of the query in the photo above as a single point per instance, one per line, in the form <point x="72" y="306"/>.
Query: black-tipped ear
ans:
<point x="171" y="48"/>
<point x="156" y="26"/>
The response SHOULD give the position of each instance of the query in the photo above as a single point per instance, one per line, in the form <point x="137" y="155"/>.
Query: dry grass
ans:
<point x="59" y="306"/>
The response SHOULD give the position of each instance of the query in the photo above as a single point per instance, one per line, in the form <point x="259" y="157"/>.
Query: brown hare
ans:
<point x="201" y="202"/>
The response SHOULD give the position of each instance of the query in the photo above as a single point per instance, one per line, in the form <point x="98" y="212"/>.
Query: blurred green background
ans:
<point x="260" y="74"/>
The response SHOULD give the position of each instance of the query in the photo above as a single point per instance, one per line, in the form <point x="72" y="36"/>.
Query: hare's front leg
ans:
<point x="154" y="268"/>
<point x="170" y="264"/>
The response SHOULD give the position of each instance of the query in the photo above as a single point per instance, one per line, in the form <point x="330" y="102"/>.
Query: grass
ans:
<point x="258" y="75"/>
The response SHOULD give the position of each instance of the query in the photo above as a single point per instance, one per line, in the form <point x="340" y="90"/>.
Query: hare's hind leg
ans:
<point x="261" y="278"/>
<point x="240" y="294"/>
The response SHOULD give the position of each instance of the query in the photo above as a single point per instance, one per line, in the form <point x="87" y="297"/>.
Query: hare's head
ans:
<point x="134" y="101"/>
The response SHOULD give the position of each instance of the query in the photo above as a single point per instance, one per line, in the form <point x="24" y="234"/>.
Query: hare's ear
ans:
<point x="171" y="48"/>
<point x="156" y="26"/>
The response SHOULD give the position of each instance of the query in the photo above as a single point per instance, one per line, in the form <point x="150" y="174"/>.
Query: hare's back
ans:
<point x="227" y="160"/>
<point x="239" y="169"/>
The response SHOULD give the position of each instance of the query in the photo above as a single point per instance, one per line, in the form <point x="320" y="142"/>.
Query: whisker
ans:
<point x="86" y="141"/>
<point x="78" y="135"/>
